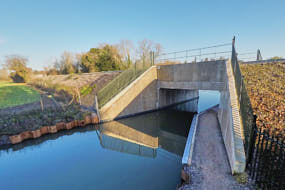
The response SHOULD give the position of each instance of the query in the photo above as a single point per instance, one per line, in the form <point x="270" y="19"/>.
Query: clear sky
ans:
<point x="43" y="29"/>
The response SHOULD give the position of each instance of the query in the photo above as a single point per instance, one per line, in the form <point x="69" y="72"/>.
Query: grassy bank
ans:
<point x="14" y="94"/>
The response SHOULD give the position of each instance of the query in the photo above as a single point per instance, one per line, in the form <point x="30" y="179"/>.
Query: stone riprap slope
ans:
<point x="265" y="85"/>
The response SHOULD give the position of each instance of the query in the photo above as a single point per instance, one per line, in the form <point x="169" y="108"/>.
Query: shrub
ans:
<point x="17" y="65"/>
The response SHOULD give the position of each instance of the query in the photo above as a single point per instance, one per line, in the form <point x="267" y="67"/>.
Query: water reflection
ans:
<point x="144" y="149"/>
<point x="150" y="131"/>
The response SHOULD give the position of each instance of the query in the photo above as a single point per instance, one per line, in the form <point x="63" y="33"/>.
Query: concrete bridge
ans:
<point x="164" y="85"/>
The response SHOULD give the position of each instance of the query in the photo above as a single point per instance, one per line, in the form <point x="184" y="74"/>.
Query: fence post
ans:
<point x="135" y="68"/>
<point x="152" y="57"/>
<point x="234" y="54"/>
<point x="97" y="108"/>
<point x="143" y="61"/>
<point x="251" y="141"/>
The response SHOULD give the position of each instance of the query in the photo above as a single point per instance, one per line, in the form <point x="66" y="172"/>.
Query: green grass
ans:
<point x="14" y="94"/>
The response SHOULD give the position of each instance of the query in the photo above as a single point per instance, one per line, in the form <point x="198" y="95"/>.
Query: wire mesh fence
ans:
<point x="123" y="80"/>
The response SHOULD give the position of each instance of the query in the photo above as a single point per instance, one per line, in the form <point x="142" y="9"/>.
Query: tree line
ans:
<point x="105" y="57"/>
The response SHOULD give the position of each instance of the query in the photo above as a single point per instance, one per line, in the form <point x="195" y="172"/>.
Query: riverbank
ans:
<point x="33" y="112"/>
<point x="35" y="131"/>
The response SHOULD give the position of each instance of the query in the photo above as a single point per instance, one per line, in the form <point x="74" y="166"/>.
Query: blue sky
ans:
<point x="43" y="29"/>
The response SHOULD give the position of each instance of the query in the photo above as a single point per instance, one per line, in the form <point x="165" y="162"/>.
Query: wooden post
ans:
<point x="97" y="108"/>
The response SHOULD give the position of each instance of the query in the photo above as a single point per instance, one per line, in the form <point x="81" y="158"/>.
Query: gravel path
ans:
<point x="210" y="169"/>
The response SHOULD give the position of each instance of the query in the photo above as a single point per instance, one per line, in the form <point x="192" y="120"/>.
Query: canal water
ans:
<point x="141" y="152"/>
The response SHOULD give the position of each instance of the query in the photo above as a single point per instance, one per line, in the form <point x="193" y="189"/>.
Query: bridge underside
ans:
<point x="192" y="85"/>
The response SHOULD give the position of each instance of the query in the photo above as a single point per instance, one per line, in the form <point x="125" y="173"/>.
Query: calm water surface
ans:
<point x="142" y="152"/>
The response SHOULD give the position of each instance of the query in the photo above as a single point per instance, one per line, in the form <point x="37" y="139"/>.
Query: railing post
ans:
<point x="152" y="57"/>
<point x="234" y="54"/>
<point x="135" y="68"/>
<point x="251" y="141"/>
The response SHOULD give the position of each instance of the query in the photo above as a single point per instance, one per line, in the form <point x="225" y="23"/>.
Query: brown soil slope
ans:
<point x="75" y="83"/>
<point x="265" y="85"/>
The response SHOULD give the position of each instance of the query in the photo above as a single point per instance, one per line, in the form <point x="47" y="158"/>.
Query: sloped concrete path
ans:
<point x="210" y="167"/>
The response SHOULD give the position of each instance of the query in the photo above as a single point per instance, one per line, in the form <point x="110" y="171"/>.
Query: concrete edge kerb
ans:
<point x="189" y="147"/>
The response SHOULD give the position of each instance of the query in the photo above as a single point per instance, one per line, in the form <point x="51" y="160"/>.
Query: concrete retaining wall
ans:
<point x="172" y="96"/>
<point x="139" y="96"/>
<point x="230" y="123"/>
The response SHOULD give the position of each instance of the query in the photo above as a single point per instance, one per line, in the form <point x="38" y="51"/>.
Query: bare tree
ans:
<point x="157" y="50"/>
<point x="78" y="59"/>
<point x="66" y="63"/>
<point x="125" y="48"/>
<point x="145" y="47"/>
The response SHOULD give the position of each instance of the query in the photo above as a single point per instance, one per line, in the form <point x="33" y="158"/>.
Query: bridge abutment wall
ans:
<point x="168" y="97"/>
<point x="230" y="123"/>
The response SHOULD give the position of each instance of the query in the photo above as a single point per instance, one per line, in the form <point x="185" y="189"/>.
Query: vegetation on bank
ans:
<point x="265" y="85"/>
<point x="14" y="94"/>
<point x="74" y="86"/>
<point x="35" y="119"/>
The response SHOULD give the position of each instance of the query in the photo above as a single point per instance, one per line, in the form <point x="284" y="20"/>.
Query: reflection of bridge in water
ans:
<point x="163" y="132"/>
<point x="146" y="134"/>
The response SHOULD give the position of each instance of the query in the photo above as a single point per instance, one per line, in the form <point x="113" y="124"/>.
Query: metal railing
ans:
<point x="266" y="161"/>
<point x="123" y="80"/>
<point x="215" y="52"/>
<point x="247" y="56"/>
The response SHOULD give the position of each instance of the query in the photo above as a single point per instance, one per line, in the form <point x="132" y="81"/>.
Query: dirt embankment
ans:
<point x="82" y="86"/>
<point x="265" y="84"/>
